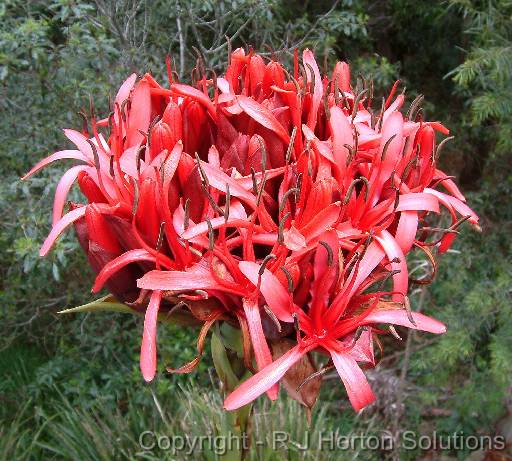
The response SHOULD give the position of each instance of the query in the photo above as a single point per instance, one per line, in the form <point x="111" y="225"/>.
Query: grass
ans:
<point x="62" y="430"/>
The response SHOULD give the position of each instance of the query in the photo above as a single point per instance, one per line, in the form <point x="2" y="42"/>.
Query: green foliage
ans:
<point x="484" y="76"/>
<point x="474" y="359"/>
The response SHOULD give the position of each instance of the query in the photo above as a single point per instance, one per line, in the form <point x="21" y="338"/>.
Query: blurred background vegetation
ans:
<point x="70" y="388"/>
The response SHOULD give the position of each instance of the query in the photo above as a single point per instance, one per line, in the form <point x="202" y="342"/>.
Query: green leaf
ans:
<point x="106" y="303"/>
<point x="222" y="364"/>
<point x="110" y="304"/>
<point x="232" y="339"/>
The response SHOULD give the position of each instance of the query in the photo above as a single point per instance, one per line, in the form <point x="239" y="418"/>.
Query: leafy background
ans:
<point x="71" y="388"/>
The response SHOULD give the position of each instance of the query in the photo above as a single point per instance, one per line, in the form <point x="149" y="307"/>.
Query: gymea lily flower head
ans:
<point x="276" y="200"/>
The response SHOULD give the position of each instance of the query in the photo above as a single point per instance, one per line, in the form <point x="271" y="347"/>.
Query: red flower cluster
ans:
<point x="283" y="198"/>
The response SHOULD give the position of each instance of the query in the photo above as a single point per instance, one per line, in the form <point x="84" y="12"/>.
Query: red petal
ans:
<point x="320" y="146"/>
<point x="449" y="185"/>
<point x="118" y="263"/>
<point x="309" y="61"/>
<point x="63" y="154"/>
<point x="393" y="126"/>
<point x="293" y="239"/>
<point x="236" y="213"/>
<point x="418" y="201"/>
<point x="196" y="95"/>
<point x="246" y="181"/>
<point x="148" y="346"/>
<point x="125" y="88"/>
<point x="259" y="343"/>
<point x="80" y="141"/>
<point x="393" y="251"/>
<point x="323" y="221"/>
<point x="100" y="231"/>
<point x="220" y="180"/>
<point x="275" y="294"/>
<point x="139" y="115"/>
<point x="59" y="227"/>
<point x="406" y="230"/>
<point x="400" y="317"/>
<point x="62" y="190"/>
<point x="263" y="116"/>
<point x="319" y="198"/>
<point x="452" y="202"/>
<point x="197" y="277"/>
<point x="341" y="133"/>
<point x="263" y="380"/>
<point x="321" y="266"/>
<point x="342" y="71"/>
<point x="438" y="126"/>
<point x="359" y="391"/>
<point x="362" y="351"/>
<point x="371" y="259"/>
<point x="397" y="103"/>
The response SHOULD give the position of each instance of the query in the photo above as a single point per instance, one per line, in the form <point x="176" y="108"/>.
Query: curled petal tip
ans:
<point x="148" y="376"/>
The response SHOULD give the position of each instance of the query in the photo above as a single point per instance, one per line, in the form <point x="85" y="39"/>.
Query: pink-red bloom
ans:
<point x="279" y="200"/>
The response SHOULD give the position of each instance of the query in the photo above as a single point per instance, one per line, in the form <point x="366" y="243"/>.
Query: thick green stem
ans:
<point x="227" y="356"/>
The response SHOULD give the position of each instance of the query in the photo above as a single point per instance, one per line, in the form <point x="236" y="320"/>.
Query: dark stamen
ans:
<point x="85" y="122"/>
<point x="385" y="149"/>
<point x="186" y="209"/>
<point x="111" y="166"/>
<point x="304" y="77"/>
<point x="298" y="183"/>
<point x="336" y="92"/>
<point x="123" y="105"/>
<point x="95" y="154"/>
<point x="408" y="168"/>
<point x="381" y="115"/>
<point x="289" y="277"/>
<point x="394" y="332"/>
<point x="296" y="323"/>
<point x="254" y="182"/>
<point x="211" y="238"/>
<point x="137" y="157"/>
<point x="135" y="197"/>
<point x="262" y="188"/>
<point x="280" y="235"/>
<point x="273" y="317"/>
<point x="351" y="189"/>
<point x="326" y="105"/>
<point x="407" y="306"/>
<point x="267" y="259"/>
<point x="293" y="190"/>
<point x="439" y="229"/>
<point x="228" y="203"/>
<point x="203" y="174"/>
<point x="351" y="153"/>
<point x="330" y="254"/>
<point x="290" y="145"/>
<point x="397" y="199"/>
<point x="263" y="153"/>
<point x="359" y="332"/>
<point x="459" y="222"/>
<point x="160" y="236"/>
<point x="414" y="106"/>
<point x="316" y="374"/>
<point x="313" y="82"/>
<point x="214" y="205"/>
<point x="356" y="102"/>
<point x="440" y="147"/>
